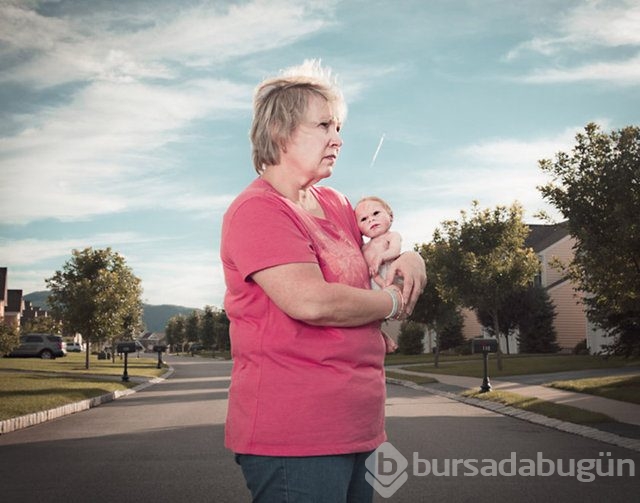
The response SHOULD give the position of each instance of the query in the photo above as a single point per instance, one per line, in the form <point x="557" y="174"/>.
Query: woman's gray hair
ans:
<point x="279" y="104"/>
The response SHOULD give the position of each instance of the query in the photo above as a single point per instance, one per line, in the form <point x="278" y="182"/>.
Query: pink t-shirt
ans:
<point x="297" y="389"/>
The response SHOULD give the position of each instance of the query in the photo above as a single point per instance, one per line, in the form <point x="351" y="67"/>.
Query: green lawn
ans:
<point x="31" y="385"/>
<point x="74" y="363"/>
<point x="472" y="366"/>
<point x="625" y="388"/>
<point x="548" y="409"/>
<point x="23" y="393"/>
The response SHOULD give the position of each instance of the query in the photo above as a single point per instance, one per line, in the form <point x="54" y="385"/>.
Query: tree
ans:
<point x="597" y="189"/>
<point x="410" y="340"/>
<point x="8" y="337"/>
<point x="192" y="327"/>
<point x="482" y="260"/>
<point x="536" y="331"/>
<point x="440" y="314"/>
<point x="222" y="339"/>
<point x="207" y="329"/>
<point x="97" y="295"/>
<point x="530" y="311"/>
<point x="175" y="331"/>
<point x="41" y="324"/>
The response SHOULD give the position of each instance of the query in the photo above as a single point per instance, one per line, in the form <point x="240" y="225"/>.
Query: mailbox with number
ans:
<point x="485" y="346"/>
<point x="126" y="347"/>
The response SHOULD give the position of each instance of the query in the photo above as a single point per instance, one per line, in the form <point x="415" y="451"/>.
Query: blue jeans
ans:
<point x="312" y="479"/>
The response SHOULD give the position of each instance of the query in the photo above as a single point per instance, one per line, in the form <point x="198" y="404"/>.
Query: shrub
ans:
<point x="410" y="340"/>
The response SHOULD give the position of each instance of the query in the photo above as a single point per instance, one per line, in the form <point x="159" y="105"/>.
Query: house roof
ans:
<point x="14" y="301"/>
<point x="542" y="236"/>
<point x="3" y="283"/>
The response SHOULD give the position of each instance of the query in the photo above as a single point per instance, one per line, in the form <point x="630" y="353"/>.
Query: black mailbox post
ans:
<point x="160" y="348"/>
<point x="126" y="348"/>
<point x="485" y="346"/>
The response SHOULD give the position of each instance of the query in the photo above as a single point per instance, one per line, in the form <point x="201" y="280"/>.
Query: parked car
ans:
<point x="45" y="346"/>
<point x="74" y="347"/>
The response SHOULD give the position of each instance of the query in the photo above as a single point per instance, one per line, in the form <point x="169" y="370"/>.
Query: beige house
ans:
<point x="551" y="243"/>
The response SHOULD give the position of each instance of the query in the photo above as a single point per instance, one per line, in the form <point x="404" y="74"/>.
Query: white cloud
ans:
<point x="589" y="26"/>
<point x="619" y="72"/>
<point x="20" y="252"/>
<point x="195" y="280"/>
<point x="494" y="172"/>
<point x="101" y="153"/>
<point x="95" y="46"/>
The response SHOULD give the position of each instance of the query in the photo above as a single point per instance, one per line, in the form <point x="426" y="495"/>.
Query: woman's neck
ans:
<point x="298" y="193"/>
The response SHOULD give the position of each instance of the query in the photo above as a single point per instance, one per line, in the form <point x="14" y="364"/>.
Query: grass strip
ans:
<point x="74" y="363"/>
<point x="410" y="377"/>
<point x="548" y="409"/>
<point x="624" y="388"/>
<point x="525" y="365"/>
<point x="23" y="393"/>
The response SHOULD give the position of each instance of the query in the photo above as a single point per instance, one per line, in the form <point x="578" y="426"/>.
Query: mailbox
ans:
<point x="159" y="348"/>
<point x="126" y="347"/>
<point x="485" y="346"/>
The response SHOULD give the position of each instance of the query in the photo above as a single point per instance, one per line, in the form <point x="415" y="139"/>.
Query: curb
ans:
<point x="505" y="410"/>
<point x="21" y="422"/>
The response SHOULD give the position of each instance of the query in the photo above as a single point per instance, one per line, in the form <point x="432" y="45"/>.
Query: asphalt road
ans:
<point x="164" y="444"/>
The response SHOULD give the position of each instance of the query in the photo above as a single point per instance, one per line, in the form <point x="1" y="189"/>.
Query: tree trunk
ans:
<point x="496" y="329"/>
<point x="87" y="353"/>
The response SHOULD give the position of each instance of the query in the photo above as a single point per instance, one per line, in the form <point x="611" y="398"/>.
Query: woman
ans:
<point x="306" y="402"/>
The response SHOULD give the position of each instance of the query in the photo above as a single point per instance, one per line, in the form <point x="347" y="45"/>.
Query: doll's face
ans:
<point x="373" y="219"/>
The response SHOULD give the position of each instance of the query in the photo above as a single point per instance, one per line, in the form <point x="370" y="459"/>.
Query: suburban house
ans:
<point x="11" y="302"/>
<point x="550" y="243"/>
<point x="554" y="243"/>
<point x="14" y="309"/>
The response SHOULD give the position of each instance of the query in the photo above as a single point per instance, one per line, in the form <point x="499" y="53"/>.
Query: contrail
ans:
<point x="375" y="156"/>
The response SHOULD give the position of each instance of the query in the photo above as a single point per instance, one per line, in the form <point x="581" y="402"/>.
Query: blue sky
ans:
<point x="125" y="124"/>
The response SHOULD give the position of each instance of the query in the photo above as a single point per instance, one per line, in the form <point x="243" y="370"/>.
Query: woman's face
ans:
<point x="315" y="144"/>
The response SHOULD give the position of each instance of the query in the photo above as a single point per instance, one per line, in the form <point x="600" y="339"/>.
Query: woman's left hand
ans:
<point x="411" y="268"/>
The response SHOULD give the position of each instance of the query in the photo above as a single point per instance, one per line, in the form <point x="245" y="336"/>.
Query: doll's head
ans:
<point x="374" y="216"/>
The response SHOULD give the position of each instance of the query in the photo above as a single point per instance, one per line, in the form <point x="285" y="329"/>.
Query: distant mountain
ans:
<point x="155" y="317"/>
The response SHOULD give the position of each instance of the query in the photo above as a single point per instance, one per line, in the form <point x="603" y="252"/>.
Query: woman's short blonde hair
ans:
<point x="279" y="104"/>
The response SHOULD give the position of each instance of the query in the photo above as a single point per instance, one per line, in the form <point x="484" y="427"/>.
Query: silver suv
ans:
<point x="45" y="346"/>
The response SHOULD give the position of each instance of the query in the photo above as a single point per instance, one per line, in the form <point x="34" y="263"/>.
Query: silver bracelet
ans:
<point x="394" y="298"/>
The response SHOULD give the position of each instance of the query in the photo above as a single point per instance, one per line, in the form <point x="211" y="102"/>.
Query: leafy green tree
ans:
<point x="97" y="295"/>
<point x="440" y="314"/>
<point x="175" y="332"/>
<point x="482" y="259"/>
<point x="42" y="324"/>
<point x="207" y="328"/>
<point x="410" y="340"/>
<point x="222" y="339"/>
<point x="192" y="327"/>
<point x="530" y="311"/>
<point x="597" y="189"/>
<point x="8" y="338"/>
<point x="537" y="333"/>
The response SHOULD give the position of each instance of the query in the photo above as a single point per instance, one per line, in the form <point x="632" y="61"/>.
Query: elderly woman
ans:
<point x="306" y="402"/>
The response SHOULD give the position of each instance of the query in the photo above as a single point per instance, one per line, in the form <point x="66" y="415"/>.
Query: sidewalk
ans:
<point x="625" y="432"/>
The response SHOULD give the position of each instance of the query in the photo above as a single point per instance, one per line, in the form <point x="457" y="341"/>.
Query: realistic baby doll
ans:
<point x="374" y="217"/>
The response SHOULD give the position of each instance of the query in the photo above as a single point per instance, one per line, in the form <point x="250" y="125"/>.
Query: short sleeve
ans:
<point x="263" y="232"/>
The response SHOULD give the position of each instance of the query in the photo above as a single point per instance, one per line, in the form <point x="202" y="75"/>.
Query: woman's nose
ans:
<point x="336" y="140"/>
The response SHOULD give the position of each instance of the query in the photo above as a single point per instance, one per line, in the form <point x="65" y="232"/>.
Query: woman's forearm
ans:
<point x="301" y="291"/>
